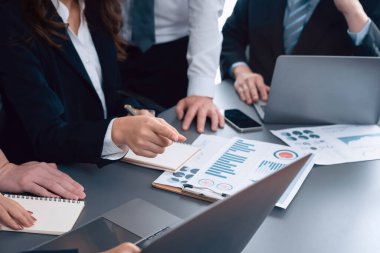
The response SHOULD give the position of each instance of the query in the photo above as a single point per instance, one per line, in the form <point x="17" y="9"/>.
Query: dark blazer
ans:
<point x="259" y="25"/>
<point x="53" y="111"/>
<point x="2" y="118"/>
<point x="53" y="251"/>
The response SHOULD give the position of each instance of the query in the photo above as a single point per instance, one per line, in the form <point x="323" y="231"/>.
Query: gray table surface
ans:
<point x="336" y="210"/>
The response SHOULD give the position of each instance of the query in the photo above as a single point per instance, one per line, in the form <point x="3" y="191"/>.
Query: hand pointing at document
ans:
<point x="145" y="135"/>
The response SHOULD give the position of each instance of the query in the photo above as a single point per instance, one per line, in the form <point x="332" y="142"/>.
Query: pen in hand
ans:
<point x="130" y="109"/>
<point x="134" y="112"/>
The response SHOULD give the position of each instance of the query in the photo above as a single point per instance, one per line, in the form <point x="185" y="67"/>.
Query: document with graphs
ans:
<point x="335" y="144"/>
<point x="225" y="166"/>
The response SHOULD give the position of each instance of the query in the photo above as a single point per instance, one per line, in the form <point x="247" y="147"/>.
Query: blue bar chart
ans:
<point x="269" y="167"/>
<point x="240" y="163"/>
<point x="227" y="164"/>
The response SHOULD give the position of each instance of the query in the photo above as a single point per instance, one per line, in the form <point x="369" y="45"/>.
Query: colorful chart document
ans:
<point x="335" y="144"/>
<point x="225" y="166"/>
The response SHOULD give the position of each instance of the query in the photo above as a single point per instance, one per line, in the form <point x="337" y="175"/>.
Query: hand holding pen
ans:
<point x="145" y="135"/>
<point x="134" y="112"/>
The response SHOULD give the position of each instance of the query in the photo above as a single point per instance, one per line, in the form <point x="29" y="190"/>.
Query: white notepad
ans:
<point x="171" y="160"/>
<point x="54" y="216"/>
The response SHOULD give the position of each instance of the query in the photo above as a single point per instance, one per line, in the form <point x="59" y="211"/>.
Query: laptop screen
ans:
<point x="99" y="235"/>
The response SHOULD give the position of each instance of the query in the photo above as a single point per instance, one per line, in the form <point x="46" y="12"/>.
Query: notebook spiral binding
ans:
<point x="12" y="196"/>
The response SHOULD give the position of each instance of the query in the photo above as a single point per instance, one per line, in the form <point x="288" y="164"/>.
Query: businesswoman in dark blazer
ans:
<point x="59" y="77"/>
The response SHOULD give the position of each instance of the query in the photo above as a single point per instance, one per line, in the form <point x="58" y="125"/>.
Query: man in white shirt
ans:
<point x="298" y="27"/>
<point x="174" y="55"/>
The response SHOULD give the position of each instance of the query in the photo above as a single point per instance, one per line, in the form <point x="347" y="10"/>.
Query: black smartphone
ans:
<point x="240" y="121"/>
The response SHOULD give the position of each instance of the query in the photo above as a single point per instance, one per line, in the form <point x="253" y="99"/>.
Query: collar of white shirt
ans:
<point x="64" y="12"/>
<point x="85" y="48"/>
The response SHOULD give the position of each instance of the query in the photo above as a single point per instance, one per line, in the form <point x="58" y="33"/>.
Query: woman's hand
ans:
<point x="13" y="215"/>
<point x="145" y="135"/>
<point x="42" y="179"/>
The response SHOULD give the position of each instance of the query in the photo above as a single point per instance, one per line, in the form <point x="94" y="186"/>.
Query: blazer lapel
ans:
<point x="107" y="55"/>
<point x="67" y="49"/>
<point x="317" y="27"/>
<point x="107" y="58"/>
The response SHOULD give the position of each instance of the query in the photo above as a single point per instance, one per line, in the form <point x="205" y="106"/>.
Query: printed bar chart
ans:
<point x="240" y="145"/>
<point x="228" y="162"/>
<point x="268" y="166"/>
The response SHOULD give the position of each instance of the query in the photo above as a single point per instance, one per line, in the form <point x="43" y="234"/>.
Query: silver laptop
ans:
<point x="139" y="222"/>
<point x="323" y="90"/>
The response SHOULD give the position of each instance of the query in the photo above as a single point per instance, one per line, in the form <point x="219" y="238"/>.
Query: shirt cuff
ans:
<point x="233" y="66"/>
<point x="358" y="38"/>
<point x="201" y="86"/>
<point x="111" y="151"/>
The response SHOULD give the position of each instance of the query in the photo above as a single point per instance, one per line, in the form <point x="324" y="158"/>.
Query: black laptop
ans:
<point x="226" y="226"/>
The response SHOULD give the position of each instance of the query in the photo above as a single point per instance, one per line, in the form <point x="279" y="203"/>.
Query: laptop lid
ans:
<point x="324" y="90"/>
<point x="227" y="226"/>
<point x="130" y="222"/>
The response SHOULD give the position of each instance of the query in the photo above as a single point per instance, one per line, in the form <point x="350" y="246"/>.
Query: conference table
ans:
<point x="336" y="210"/>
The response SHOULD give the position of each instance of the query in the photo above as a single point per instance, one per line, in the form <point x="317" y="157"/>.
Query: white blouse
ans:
<point x="87" y="52"/>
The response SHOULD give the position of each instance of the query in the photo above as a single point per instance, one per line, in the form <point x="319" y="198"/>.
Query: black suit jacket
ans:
<point x="2" y="117"/>
<point x="53" y="111"/>
<point x="53" y="251"/>
<point x="259" y="25"/>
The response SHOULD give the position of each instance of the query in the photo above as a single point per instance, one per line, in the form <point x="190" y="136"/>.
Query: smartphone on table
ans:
<point x="240" y="121"/>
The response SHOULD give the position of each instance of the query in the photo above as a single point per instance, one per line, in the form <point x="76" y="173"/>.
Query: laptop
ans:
<point x="226" y="226"/>
<point x="323" y="90"/>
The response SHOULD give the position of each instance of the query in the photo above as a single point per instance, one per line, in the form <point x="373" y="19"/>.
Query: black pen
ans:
<point x="190" y="186"/>
<point x="133" y="111"/>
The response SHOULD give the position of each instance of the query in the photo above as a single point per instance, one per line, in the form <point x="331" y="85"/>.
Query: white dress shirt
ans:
<point x="87" y="52"/>
<point x="197" y="19"/>
<point x="357" y="38"/>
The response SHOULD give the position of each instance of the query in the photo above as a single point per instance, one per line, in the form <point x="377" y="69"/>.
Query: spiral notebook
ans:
<point x="174" y="157"/>
<point x="54" y="216"/>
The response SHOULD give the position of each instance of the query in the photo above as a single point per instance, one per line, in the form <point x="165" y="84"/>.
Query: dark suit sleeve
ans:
<point x="371" y="43"/>
<point x="235" y="38"/>
<point x="38" y="107"/>
<point x="53" y="251"/>
<point x="2" y="118"/>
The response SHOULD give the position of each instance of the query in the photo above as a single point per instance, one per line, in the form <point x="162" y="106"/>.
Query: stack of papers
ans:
<point x="335" y="144"/>
<point x="226" y="166"/>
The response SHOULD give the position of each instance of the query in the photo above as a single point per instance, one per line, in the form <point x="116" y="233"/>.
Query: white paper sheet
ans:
<point x="208" y="145"/>
<point x="229" y="165"/>
<point x="335" y="144"/>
